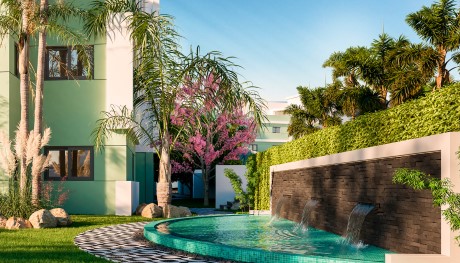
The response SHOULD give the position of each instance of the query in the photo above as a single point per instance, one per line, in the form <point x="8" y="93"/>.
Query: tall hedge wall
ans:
<point x="438" y="112"/>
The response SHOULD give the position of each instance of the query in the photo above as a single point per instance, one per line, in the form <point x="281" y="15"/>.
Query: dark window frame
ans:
<point x="70" y="177"/>
<point x="67" y="76"/>
<point x="276" y="129"/>
<point x="254" y="147"/>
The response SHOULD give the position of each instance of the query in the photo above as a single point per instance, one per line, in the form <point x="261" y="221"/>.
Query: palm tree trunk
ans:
<point x="23" y="47"/>
<point x="38" y="118"/>
<point x="164" y="189"/>
<point x="441" y="77"/>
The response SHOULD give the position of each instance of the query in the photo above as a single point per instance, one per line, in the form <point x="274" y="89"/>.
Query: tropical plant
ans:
<point x="16" y="18"/>
<point x="395" y="68"/>
<point x="301" y="123"/>
<point x="358" y="100"/>
<point x="237" y="185"/>
<point x="442" y="192"/>
<point x="17" y="201"/>
<point x="210" y="132"/>
<point x="23" y="20"/>
<point x="320" y="108"/>
<point x="435" y="113"/>
<point x="161" y="70"/>
<point x="438" y="26"/>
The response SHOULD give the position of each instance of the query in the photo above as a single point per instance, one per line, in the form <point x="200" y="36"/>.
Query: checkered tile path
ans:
<point x="118" y="244"/>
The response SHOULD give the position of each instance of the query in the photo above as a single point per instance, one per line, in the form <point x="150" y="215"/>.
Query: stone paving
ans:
<point x="118" y="243"/>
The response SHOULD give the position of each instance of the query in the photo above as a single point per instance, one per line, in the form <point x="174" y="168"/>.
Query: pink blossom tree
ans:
<point x="211" y="133"/>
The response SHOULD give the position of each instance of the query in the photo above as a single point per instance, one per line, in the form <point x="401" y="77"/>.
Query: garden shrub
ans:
<point x="436" y="113"/>
<point x="441" y="190"/>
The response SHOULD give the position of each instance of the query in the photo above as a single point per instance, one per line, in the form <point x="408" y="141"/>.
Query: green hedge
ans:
<point x="437" y="113"/>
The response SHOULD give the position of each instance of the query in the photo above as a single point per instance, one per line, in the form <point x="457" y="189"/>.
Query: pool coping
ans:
<point x="227" y="251"/>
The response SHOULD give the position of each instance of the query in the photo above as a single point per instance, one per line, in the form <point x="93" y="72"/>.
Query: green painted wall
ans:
<point x="71" y="109"/>
<point x="145" y="177"/>
<point x="9" y="96"/>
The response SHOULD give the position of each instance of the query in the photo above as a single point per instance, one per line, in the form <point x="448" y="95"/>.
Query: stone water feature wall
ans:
<point x="404" y="220"/>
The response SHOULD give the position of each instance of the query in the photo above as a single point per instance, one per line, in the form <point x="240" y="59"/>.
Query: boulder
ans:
<point x="140" y="208"/>
<point x="63" y="219"/>
<point x="152" y="211"/>
<point x="170" y="211"/>
<point x="14" y="223"/>
<point x="43" y="219"/>
<point x="3" y="221"/>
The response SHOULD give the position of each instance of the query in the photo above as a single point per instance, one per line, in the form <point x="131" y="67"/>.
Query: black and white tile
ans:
<point x="119" y="243"/>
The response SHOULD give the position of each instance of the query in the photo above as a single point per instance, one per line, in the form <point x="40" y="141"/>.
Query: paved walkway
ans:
<point x="123" y="243"/>
<point x="119" y="243"/>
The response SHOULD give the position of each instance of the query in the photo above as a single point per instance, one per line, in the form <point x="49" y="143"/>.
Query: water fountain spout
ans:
<point x="355" y="222"/>
<point x="310" y="205"/>
<point x="277" y="213"/>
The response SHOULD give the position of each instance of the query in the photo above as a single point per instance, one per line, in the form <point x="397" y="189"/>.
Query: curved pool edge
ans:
<point x="226" y="251"/>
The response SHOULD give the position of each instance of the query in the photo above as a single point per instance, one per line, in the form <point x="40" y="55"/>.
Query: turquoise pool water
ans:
<point x="254" y="239"/>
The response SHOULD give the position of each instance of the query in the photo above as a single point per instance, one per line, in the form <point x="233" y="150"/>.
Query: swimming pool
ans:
<point x="253" y="239"/>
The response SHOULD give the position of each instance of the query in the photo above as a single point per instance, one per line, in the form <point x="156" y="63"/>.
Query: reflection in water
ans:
<point x="163" y="228"/>
<point x="255" y="232"/>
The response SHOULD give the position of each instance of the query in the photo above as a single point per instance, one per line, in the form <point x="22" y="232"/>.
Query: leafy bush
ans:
<point x="440" y="189"/>
<point x="13" y="203"/>
<point x="438" y="112"/>
<point x="237" y="186"/>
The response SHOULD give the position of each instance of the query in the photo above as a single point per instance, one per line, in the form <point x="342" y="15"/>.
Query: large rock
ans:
<point x="3" y="221"/>
<point x="63" y="219"/>
<point x="152" y="211"/>
<point x="14" y="223"/>
<point x="43" y="219"/>
<point x="170" y="211"/>
<point x="140" y="208"/>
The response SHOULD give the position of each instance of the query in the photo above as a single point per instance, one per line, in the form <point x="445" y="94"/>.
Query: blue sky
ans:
<point x="283" y="44"/>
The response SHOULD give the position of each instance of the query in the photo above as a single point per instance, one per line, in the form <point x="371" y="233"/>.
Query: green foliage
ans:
<point x="237" y="186"/>
<point x="440" y="189"/>
<point x="12" y="203"/>
<point x="436" y="113"/>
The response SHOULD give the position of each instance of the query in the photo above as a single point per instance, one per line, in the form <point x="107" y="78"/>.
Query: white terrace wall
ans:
<point x="446" y="145"/>
<point x="224" y="190"/>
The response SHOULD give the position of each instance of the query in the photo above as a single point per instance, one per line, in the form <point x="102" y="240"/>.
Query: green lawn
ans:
<point x="54" y="245"/>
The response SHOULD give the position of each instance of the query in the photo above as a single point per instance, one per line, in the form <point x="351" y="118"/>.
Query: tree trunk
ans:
<point x="38" y="118"/>
<point x="164" y="188"/>
<point x="205" y="175"/>
<point x="23" y="47"/>
<point x="441" y="77"/>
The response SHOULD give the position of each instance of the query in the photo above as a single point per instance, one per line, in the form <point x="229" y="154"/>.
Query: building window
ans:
<point x="276" y="129"/>
<point x="73" y="163"/>
<point x="68" y="63"/>
<point x="253" y="147"/>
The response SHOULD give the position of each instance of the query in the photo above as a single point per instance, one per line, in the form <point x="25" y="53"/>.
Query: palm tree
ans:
<point x="395" y="68"/>
<point x="438" y="25"/>
<point x="40" y="19"/>
<point x="348" y="64"/>
<point x="16" y="17"/>
<point x="301" y="122"/>
<point x="161" y="70"/>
